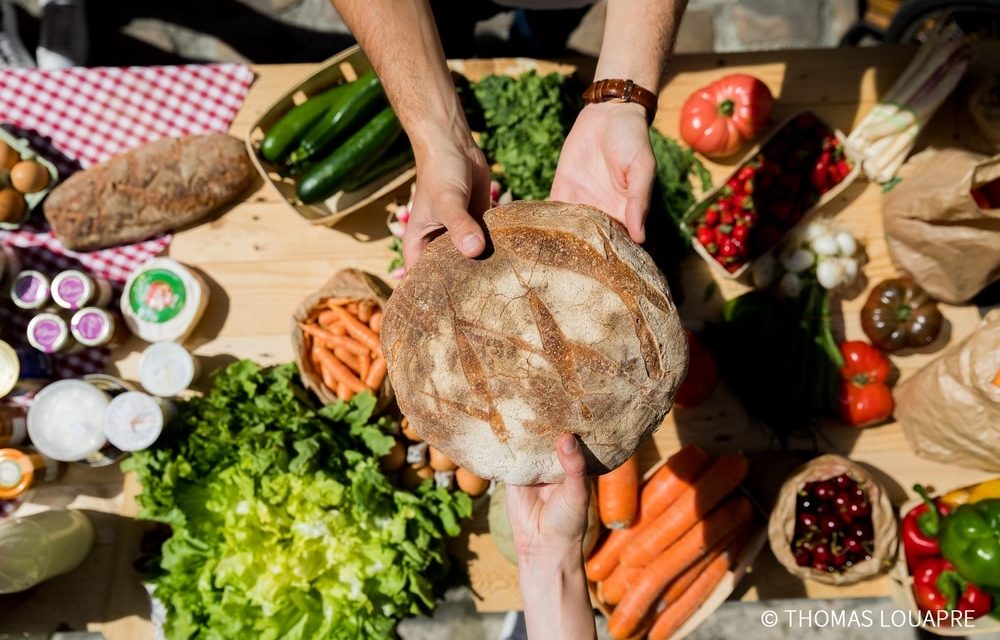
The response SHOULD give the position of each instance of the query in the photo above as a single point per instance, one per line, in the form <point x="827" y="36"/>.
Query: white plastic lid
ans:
<point x="66" y="421"/>
<point x="166" y="369"/>
<point x="134" y="421"/>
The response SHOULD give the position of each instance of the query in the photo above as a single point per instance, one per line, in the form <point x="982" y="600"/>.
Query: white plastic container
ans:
<point x="163" y="301"/>
<point x="166" y="369"/>
<point x="136" y="419"/>
<point x="66" y="421"/>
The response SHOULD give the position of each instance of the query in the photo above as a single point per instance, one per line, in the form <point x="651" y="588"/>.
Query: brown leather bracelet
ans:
<point x="616" y="89"/>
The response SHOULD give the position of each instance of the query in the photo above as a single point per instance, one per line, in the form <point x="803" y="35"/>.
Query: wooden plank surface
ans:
<point x="261" y="259"/>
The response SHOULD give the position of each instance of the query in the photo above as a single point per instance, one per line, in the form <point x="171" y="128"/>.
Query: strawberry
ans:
<point x="727" y="248"/>
<point x="741" y="232"/>
<point x="727" y="218"/>
<point x="745" y="173"/>
<point x="705" y="236"/>
<point x="712" y="217"/>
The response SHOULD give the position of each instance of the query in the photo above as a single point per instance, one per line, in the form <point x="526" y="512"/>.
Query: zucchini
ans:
<point x="390" y="161"/>
<point x="357" y="153"/>
<point x="345" y="114"/>
<point x="294" y="124"/>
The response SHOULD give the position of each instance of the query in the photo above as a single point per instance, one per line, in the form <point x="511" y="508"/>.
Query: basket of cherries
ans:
<point x="833" y="523"/>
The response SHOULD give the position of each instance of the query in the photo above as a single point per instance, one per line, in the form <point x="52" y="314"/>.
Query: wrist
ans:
<point x="539" y="567"/>
<point x="445" y="127"/>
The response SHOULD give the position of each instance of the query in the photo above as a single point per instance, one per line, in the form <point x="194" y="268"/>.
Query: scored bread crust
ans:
<point x="564" y="325"/>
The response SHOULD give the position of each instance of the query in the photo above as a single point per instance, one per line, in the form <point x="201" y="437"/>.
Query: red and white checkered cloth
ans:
<point x="80" y="117"/>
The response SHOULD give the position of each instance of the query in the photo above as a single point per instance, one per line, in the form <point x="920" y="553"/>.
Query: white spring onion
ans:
<point x="885" y="136"/>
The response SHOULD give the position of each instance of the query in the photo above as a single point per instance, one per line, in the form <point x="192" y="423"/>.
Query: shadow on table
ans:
<point x="104" y="588"/>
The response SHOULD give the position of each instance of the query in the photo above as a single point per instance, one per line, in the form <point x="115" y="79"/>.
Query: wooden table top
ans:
<point x="260" y="259"/>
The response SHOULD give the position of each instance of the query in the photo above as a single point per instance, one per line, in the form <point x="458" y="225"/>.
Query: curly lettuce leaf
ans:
<point x="283" y="524"/>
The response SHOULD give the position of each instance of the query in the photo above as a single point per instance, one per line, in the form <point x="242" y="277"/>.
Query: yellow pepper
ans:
<point x="985" y="490"/>
<point x="973" y="493"/>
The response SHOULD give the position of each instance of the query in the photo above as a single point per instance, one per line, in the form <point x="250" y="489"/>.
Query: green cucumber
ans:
<point x="345" y="114"/>
<point x="389" y="162"/>
<point x="294" y="124"/>
<point x="357" y="153"/>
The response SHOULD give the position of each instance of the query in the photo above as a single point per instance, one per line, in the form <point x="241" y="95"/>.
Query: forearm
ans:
<point x="638" y="38"/>
<point x="557" y="604"/>
<point x="401" y="41"/>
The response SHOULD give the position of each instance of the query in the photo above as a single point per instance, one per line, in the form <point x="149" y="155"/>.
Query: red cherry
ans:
<point x="807" y="521"/>
<point x="825" y="490"/>
<point x="822" y="553"/>
<point x="830" y="523"/>
<point x="802" y="557"/>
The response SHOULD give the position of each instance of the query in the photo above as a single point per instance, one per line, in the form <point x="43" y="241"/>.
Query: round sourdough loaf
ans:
<point x="564" y="324"/>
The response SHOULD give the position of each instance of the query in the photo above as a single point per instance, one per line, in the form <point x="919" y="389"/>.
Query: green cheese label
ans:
<point x="157" y="295"/>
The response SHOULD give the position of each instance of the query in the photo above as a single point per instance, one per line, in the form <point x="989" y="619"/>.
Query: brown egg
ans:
<point x="28" y="176"/>
<point x="471" y="483"/>
<point x="8" y="156"/>
<point x="413" y="475"/>
<point x="441" y="462"/>
<point x="408" y="431"/>
<point x="395" y="459"/>
<point x="11" y="205"/>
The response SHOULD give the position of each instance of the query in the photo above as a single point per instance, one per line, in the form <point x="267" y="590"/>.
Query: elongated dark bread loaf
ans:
<point x="159" y="186"/>
<point x="567" y="325"/>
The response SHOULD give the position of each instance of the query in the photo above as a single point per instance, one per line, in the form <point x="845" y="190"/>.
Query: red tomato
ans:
<point x="717" y="119"/>
<point x="702" y="376"/>
<point x="865" y="398"/>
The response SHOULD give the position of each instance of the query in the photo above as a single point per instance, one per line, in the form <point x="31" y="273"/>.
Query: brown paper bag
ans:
<point x="781" y="526"/>
<point x="348" y="283"/>
<point x="936" y="232"/>
<point x="950" y="410"/>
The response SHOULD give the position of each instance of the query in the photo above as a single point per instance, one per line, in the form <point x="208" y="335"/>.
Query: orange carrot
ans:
<point x="326" y="318"/>
<point x="360" y="332"/>
<point x="337" y="329"/>
<point x="732" y="546"/>
<point x="365" y="308"/>
<point x="351" y="360"/>
<point x="734" y="514"/>
<point x="376" y="374"/>
<point x="996" y="380"/>
<point x="339" y="371"/>
<point x="366" y="367"/>
<point x="332" y="341"/>
<point x="618" y="583"/>
<point x="677" y="474"/>
<point x="352" y="308"/>
<point x="324" y="374"/>
<point x="675" y="615"/>
<point x="717" y="482"/>
<point x="337" y="302"/>
<point x="376" y="322"/>
<point x="618" y="494"/>
<point x="343" y="392"/>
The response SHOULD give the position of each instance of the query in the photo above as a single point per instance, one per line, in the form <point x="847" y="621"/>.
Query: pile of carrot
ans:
<point x="342" y="344"/>
<point x="671" y="542"/>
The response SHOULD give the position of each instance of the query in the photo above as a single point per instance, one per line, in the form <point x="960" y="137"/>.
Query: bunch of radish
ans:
<point x="672" y="540"/>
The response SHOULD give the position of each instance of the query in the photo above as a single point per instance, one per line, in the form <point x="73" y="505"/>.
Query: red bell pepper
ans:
<point x="865" y="398"/>
<point x="920" y="528"/>
<point x="938" y="587"/>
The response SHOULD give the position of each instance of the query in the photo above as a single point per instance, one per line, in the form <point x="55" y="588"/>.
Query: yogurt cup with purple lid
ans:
<point x="30" y="289"/>
<point x="74" y="289"/>
<point x="92" y="327"/>
<point x="48" y="333"/>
